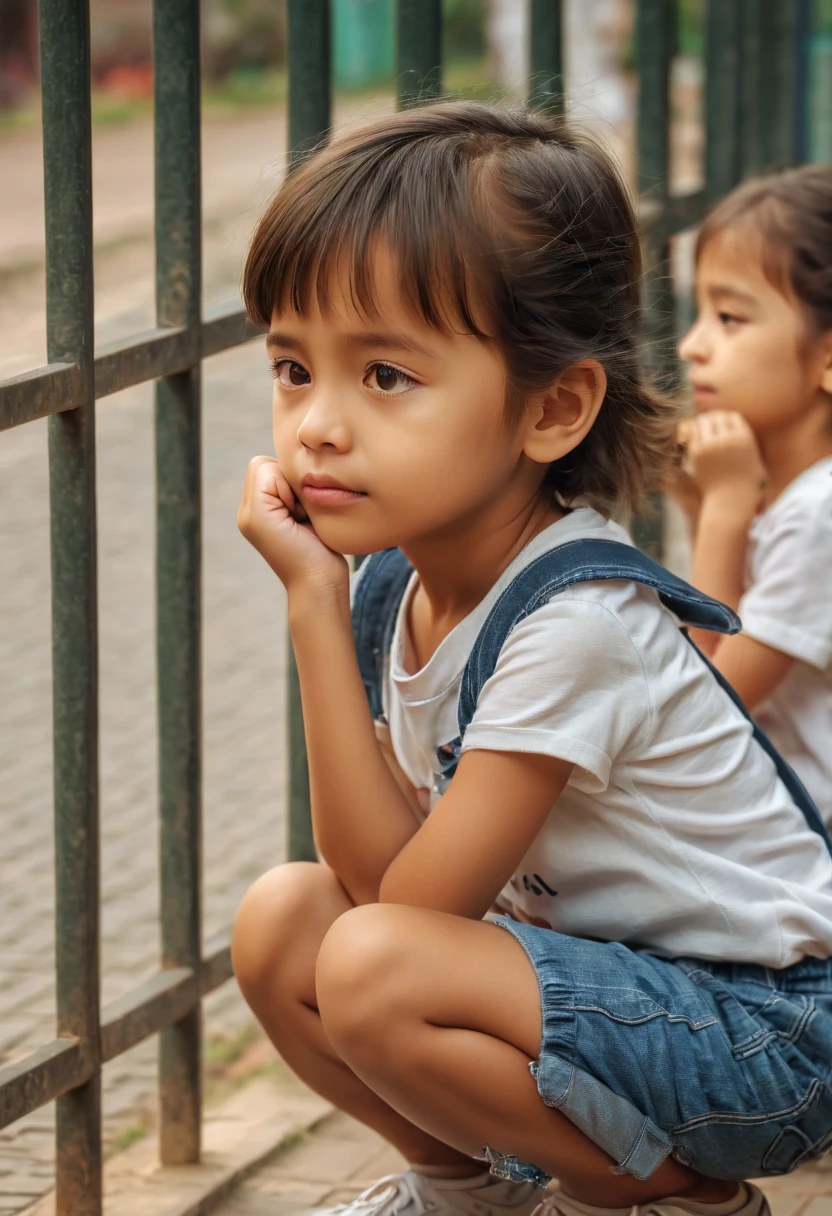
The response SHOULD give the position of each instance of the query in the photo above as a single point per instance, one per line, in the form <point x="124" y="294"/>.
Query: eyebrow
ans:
<point x="391" y="341"/>
<point x="719" y="289"/>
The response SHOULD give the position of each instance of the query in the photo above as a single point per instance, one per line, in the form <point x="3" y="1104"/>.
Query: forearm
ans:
<point x="360" y="816"/>
<point x="719" y="556"/>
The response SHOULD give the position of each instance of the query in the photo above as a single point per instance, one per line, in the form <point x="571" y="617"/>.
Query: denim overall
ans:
<point x="725" y="1066"/>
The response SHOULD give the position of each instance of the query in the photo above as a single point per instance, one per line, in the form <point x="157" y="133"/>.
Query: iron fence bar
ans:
<point x="158" y="352"/>
<point x="723" y="53"/>
<point x="546" y="87"/>
<point x="655" y="46"/>
<point x="310" y="90"/>
<point x="45" y="1074"/>
<point x="752" y="87"/>
<point x="418" y="51"/>
<point x="778" y="81"/>
<point x="39" y="392"/>
<point x="67" y="159"/>
<point x="178" y="558"/>
<point x="310" y="118"/>
<point x="58" y="1066"/>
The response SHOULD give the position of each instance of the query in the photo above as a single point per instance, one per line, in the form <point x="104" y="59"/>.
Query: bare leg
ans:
<point x="278" y="931"/>
<point x="440" y="1016"/>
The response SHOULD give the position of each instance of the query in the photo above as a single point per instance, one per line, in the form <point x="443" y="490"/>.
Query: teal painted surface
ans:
<point x="363" y="42"/>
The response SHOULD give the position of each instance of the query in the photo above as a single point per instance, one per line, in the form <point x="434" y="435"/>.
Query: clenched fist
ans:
<point x="272" y="520"/>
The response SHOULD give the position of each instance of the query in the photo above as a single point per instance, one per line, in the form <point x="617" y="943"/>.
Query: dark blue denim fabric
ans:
<point x="726" y="1066"/>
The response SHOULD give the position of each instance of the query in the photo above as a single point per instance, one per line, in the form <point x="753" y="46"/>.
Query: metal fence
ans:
<point x="754" y="117"/>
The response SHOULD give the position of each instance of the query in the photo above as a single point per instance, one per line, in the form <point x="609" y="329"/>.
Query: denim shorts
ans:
<point x="727" y="1067"/>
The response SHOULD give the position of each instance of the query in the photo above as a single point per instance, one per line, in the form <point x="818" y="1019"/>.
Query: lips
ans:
<point x="322" y="491"/>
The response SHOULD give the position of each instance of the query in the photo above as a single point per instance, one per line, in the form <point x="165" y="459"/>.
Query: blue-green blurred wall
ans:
<point x="363" y="42"/>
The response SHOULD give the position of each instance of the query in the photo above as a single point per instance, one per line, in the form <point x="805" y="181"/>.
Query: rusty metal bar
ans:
<point x="59" y="1066"/>
<point x="178" y="559"/>
<point x="67" y="158"/>
<point x="39" y="393"/>
<point x="158" y="352"/>
<point x="47" y="1073"/>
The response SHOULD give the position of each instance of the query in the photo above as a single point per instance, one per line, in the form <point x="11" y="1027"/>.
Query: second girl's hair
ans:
<point x="791" y="213"/>
<point x="502" y="223"/>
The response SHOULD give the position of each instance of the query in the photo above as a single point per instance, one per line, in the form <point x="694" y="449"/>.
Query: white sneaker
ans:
<point x="751" y="1202"/>
<point x="412" y="1194"/>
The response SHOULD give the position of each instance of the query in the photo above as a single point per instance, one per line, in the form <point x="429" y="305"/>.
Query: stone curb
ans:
<point x="239" y="1136"/>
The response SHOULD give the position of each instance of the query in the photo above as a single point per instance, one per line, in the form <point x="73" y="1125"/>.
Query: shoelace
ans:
<point x="387" y="1197"/>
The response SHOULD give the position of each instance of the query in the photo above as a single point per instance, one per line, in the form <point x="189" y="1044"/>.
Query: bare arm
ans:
<point x="753" y="669"/>
<point x="725" y="463"/>
<point x="360" y="814"/>
<point x="361" y="817"/>
<point x="477" y="835"/>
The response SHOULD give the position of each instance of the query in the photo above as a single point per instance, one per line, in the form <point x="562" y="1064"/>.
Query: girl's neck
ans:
<point x="788" y="451"/>
<point x="458" y="567"/>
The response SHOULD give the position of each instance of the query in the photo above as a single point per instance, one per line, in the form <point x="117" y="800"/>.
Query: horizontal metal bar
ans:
<point x="39" y="393"/>
<point x="59" y="1066"/>
<point x="216" y="963"/>
<point x="47" y="1073"/>
<point x="157" y="352"/>
<point x="146" y="356"/>
<point x="158" y="1002"/>
<point x="225" y="326"/>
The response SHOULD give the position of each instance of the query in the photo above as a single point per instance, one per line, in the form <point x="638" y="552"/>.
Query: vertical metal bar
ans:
<point x="723" y="61"/>
<point x="310" y="90"/>
<point x="803" y="32"/>
<point x="779" y="54"/>
<point x="418" y="51"/>
<point x="655" y="44"/>
<point x="178" y="557"/>
<point x="310" y="118"/>
<point x="546" y="86"/>
<point x="752" y="141"/>
<point x="65" y="69"/>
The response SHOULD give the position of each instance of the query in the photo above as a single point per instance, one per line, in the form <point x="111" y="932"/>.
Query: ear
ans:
<point x="826" y="372"/>
<point x="560" y="416"/>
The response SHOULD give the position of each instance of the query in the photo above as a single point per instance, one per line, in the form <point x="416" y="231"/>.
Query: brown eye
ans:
<point x="290" y="374"/>
<point x="388" y="379"/>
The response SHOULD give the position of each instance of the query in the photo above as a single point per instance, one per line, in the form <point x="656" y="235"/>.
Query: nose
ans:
<point x="693" y="347"/>
<point x="324" y="426"/>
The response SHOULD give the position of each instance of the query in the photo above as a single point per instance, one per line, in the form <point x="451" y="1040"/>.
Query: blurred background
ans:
<point x="244" y="158"/>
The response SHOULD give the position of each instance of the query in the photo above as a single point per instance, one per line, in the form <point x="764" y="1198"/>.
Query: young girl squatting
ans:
<point x="451" y="299"/>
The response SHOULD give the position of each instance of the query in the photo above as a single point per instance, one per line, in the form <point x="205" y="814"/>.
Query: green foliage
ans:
<point x="691" y="28"/>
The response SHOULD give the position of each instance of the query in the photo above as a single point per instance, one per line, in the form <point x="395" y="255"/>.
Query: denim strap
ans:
<point x="384" y="578"/>
<point x="379" y="591"/>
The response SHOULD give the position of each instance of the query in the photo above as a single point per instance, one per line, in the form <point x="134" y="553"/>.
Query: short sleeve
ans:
<point x="788" y="605"/>
<point x="569" y="683"/>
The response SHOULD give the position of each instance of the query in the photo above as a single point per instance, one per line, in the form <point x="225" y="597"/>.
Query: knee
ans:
<point x="274" y="919"/>
<point x="358" y="978"/>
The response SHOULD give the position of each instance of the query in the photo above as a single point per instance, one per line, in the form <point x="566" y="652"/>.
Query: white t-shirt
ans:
<point x="788" y="605"/>
<point x="674" y="833"/>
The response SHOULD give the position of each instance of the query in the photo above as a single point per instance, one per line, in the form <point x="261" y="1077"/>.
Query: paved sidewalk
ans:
<point x="340" y="1158"/>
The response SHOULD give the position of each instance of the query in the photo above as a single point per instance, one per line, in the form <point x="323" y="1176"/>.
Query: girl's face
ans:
<point x="388" y="430"/>
<point x="750" y="349"/>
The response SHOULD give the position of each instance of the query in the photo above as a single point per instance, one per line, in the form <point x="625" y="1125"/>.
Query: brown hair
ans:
<point x="792" y="214"/>
<point x="505" y="221"/>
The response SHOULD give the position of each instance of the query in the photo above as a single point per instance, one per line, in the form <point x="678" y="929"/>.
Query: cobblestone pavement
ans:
<point x="244" y="620"/>
<point x="340" y="1158"/>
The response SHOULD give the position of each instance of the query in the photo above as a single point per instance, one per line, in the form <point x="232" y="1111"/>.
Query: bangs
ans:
<point x="329" y="220"/>
<point x="753" y="220"/>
